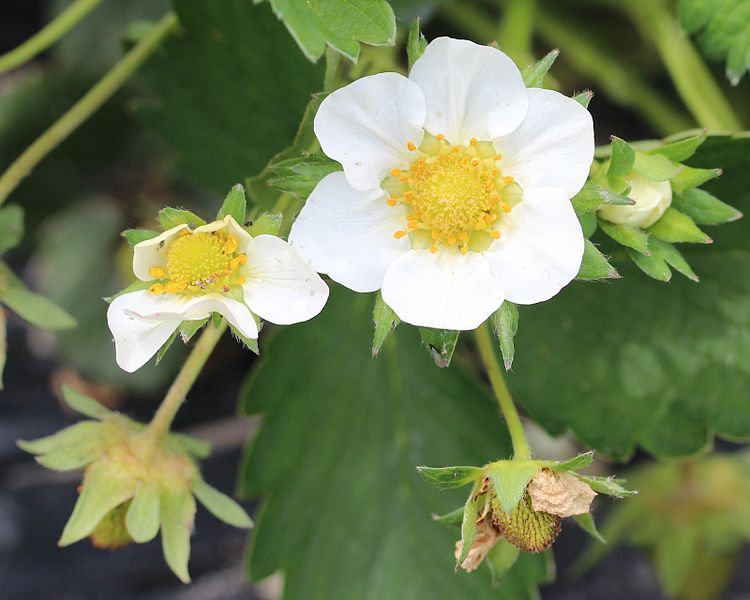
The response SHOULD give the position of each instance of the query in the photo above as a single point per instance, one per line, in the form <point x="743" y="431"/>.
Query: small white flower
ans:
<point x="217" y="267"/>
<point x="455" y="190"/>
<point x="652" y="199"/>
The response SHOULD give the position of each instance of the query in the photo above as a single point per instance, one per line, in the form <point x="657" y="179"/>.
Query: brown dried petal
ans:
<point x="485" y="539"/>
<point x="560" y="494"/>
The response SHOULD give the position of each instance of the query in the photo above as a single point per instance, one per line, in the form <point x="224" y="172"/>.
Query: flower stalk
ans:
<point x="175" y="396"/>
<point x="521" y="450"/>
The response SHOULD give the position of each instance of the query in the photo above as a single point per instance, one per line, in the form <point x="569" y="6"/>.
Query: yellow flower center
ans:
<point x="456" y="195"/>
<point x="198" y="263"/>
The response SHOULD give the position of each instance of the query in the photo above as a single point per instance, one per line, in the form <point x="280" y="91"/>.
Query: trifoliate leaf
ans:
<point x="440" y="343"/>
<point x="622" y="160"/>
<point x="11" y="227"/>
<point x="656" y="166"/>
<point x="88" y="407"/>
<point x="142" y="518"/>
<point x="30" y="306"/>
<point x="595" y="265"/>
<point x="572" y="464"/>
<point x="385" y="321"/>
<point x="505" y="324"/>
<point x="220" y="505"/>
<point x="533" y="75"/>
<point x="234" y="204"/>
<point x="266" y="224"/>
<point x="674" y="226"/>
<point x="630" y="237"/>
<point x="704" y="208"/>
<point x="365" y="427"/>
<point x="415" y="44"/>
<point x="449" y="477"/>
<point x="341" y="24"/>
<point x="136" y="236"/>
<point x="510" y="478"/>
<point x="586" y="522"/>
<point x="680" y="150"/>
<point x="172" y="217"/>
<point x="176" y="515"/>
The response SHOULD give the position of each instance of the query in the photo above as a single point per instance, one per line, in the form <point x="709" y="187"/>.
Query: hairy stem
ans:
<point x="177" y="392"/>
<point x="82" y="110"/>
<point x="491" y="365"/>
<point x="47" y="36"/>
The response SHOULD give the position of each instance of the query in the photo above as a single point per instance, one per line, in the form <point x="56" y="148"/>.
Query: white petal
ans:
<point x="281" y="287"/>
<point x="232" y="227"/>
<point x="348" y="235"/>
<point x="153" y="252"/>
<point x="138" y="336"/>
<point x="233" y="311"/>
<point x="471" y="91"/>
<point x="540" y="247"/>
<point x="445" y="290"/>
<point x="553" y="147"/>
<point x="367" y="125"/>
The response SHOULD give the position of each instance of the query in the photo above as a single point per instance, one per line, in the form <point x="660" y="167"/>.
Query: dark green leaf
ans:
<point x="385" y="321"/>
<point x="30" y="306"/>
<point x="415" y="44"/>
<point x="533" y="75"/>
<point x="440" y="343"/>
<point x="505" y="324"/>
<point x="11" y="227"/>
<point x="172" y="217"/>
<point x="595" y="265"/>
<point x="136" y="236"/>
<point x="234" y="205"/>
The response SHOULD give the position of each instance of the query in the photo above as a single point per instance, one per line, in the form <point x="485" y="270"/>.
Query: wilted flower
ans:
<point x="455" y="188"/>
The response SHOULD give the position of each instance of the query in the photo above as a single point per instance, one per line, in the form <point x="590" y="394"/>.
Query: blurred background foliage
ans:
<point x="623" y="365"/>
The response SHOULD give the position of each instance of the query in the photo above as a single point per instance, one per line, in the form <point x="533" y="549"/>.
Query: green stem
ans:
<point x="52" y="32"/>
<point x="516" y="32"/>
<point x="87" y="105"/>
<point x="177" y="392"/>
<point x="691" y="77"/>
<point x="488" y="356"/>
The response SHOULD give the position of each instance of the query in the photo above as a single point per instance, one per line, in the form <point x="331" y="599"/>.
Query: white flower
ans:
<point x="217" y="267"/>
<point x="455" y="189"/>
<point x="652" y="199"/>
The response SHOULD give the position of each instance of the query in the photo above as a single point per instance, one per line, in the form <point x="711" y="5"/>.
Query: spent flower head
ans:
<point x="455" y="191"/>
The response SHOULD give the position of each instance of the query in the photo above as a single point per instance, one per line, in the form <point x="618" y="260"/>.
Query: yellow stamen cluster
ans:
<point x="198" y="263"/>
<point x="455" y="194"/>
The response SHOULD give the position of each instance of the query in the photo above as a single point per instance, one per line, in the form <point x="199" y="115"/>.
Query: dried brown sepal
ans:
<point x="527" y="529"/>
<point x="560" y="494"/>
<point x="111" y="531"/>
<point x="486" y="537"/>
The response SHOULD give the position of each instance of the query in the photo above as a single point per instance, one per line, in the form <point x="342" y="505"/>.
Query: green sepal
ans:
<point x="67" y="437"/>
<point x="11" y="227"/>
<point x="449" y="477"/>
<point x="586" y="522"/>
<point x="188" y="329"/>
<point x="533" y="75"/>
<point x="384" y="320"/>
<point x="300" y="175"/>
<point x="30" y="306"/>
<point x="510" y="478"/>
<point x="622" y="160"/>
<point x="468" y="526"/>
<point x="671" y="255"/>
<point x="630" y="237"/>
<point x="196" y="447"/>
<point x="674" y="226"/>
<point x="572" y="464"/>
<point x="220" y="505"/>
<point x="454" y="517"/>
<point x="595" y="265"/>
<point x="592" y="197"/>
<point x="704" y="208"/>
<point x="101" y="492"/>
<point x="415" y="44"/>
<point x="176" y="516"/>
<point x="249" y="343"/>
<point x="142" y="518"/>
<point x="172" y="217"/>
<point x="83" y="405"/>
<point x="440" y="343"/>
<point x="265" y="224"/>
<point x="235" y="205"/>
<point x="656" y="167"/>
<point x="501" y="557"/>
<point x="504" y="323"/>
<point x="681" y="150"/>
<point x="589" y="223"/>
<point x="71" y="457"/>
<point x="165" y="347"/>
<point x="690" y="177"/>
<point x="136" y="236"/>
<point x="584" y="98"/>
<point x="609" y="486"/>
<point x="653" y="266"/>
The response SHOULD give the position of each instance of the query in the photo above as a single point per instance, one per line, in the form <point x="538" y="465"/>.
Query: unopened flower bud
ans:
<point x="652" y="199"/>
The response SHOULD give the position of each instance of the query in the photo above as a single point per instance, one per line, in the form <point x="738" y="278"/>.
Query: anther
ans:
<point x="231" y="245"/>
<point x="494" y="171"/>
<point x="410" y="145"/>
<point x="395" y="172"/>
<point x="392" y="202"/>
<point x="505" y="207"/>
<point x="439" y="137"/>
<point x="157" y="272"/>
<point x="473" y="142"/>
<point x="399" y="234"/>
<point x="157" y="288"/>
<point x="495" y="234"/>
<point x="497" y="157"/>
<point x="507" y="180"/>
<point x="433" y="249"/>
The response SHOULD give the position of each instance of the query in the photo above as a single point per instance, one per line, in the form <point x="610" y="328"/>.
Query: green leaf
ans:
<point x="266" y="224"/>
<point x="595" y="265"/>
<point x="680" y="150"/>
<point x="415" y="44"/>
<point x="30" y="306"/>
<point x="690" y="178"/>
<point x="656" y="166"/>
<point x="385" y="321"/>
<point x="510" y="478"/>
<point x="221" y="505"/>
<point x="172" y="217"/>
<point x="136" y="236"/>
<point x="501" y="558"/>
<point x="234" y="205"/>
<point x="630" y="237"/>
<point x="341" y="24"/>
<point x="88" y="407"/>
<point x="440" y="343"/>
<point x="365" y="427"/>
<point x="572" y="464"/>
<point x="221" y="105"/>
<point x="592" y="197"/>
<point x="100" y="493"/>
<point x="142" y="518"/>
<point x="704" y="208"/>
<point x="505" y="324"/>
<point x="653" y="266"/>
<point x="449" y="477"/>
<point x="674" y="226"/>
<point x="669" y="254"/>
<point x="533" y="75"/>
<point x="176" y="515"/>
<point x="11" y="227"/>
<point x="586" y="522"/>
<point x="622" y="159"/>
<point x="67" y="437"/>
